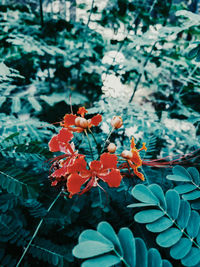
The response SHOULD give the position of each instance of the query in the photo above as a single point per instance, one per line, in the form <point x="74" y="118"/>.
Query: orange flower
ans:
<point x="78" y="123"/>
<point x="63" y="164"/>
<point x="105" y="170"/>
<point x="133" y="158"/>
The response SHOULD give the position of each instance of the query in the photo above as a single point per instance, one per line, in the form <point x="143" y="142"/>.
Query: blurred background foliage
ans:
<point x="136" y="59"/>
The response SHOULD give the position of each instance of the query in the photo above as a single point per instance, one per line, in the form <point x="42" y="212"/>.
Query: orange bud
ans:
<point x="111" y="148"/>
<point x="81" y="122"/>
<point x="116" y="122"/>
<point x="127" y="154"/>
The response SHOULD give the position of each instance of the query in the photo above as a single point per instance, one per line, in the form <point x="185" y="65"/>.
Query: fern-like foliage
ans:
<point x="106" y="248"/>
<point x="190" y="184"/>
<point x="6" y="260"/>
<point x="11" y="230"/>
<point x="177" y="226"/>
<point x="17" y="181"/>
<point x="47" y="251"/>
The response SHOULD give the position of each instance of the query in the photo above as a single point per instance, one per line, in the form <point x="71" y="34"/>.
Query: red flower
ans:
<point x="64" y="164"/>
<point x="105" y="170"/>
<point x="79" y="123"/>
<point x="133" y="158"/>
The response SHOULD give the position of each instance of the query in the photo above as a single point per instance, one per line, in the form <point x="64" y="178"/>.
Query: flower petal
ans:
<point x="82" y="111"/>
<point x="69" y="119"/>
<point x="95" y="165"/>
<point x="60" y="172"/>
<point x="96" y="120"/>
<point x="54" y="144"/>
<point x="113" y="179"/>
<point x="64" y="135"/>
<point x="74" y="183"/>
<point x="108" y="160"/>
<point x="79" y="164"/>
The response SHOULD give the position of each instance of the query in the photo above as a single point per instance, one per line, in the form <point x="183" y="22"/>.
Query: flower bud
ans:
<point x="111" y="148"/>
<point x="81" y="122"/>
<point x="127" y="154"/>
<point x="116" y="122"/>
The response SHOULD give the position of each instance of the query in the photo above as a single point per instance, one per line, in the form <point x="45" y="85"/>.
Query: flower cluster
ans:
<point x="71" y="170"/>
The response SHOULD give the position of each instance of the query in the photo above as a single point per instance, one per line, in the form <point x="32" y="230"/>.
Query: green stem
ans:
<point x="140" y="74"/>
<point x="108" y="137"/>
<point x="121" y="258"/>
<point x="93" y="137"/>
<point x="37" y="229"/>
<point x="89" y="143"/>
<point x="179" y="226"/>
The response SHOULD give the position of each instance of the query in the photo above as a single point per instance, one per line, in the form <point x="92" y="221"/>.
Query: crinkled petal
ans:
<point x="108" y="160"/>
<point x="74" y="183"/>
<point x="95" y="165"/>
<point x="54" y="183"/>
<point x="64" y="135"/>
<point x="69" y="119"/>
<point x="54" y="144"/>
<point x="60" y="172"/>
<point x="96" y="120"/>
<point x="82" y="111"/>
<point x="113" y="179"/>
<point x="79" y="164"/>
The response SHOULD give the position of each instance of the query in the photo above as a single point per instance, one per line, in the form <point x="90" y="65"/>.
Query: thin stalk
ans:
<point x="37" y="229"/>
<point x="121" y="258"/>
<point x="41" y="14"/>
<point x="140" y="75"/>
<point x="108" y="137"/>
<point x="93" y="137"/>
<point x="89" y="143"/>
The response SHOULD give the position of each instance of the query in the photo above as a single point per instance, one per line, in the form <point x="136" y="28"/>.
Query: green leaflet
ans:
<point x="178" y="226"/>
<point x="102" y="248"/>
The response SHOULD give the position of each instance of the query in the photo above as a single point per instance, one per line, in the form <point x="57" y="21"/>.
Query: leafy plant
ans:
<point x="105" y="247"/>
<point x="172" y="219"/>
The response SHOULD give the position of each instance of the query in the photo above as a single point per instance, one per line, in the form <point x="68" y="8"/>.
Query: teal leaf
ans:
<point x="143" y="194"/>
<point x="191" y="196"/>
<point x="141" y="259"/>
<point x="154" y="258"/>
<point x="159" y="225"/>
<point x="169" y="237"/>
<point x="35" y="104"/>
<point x="198" y="238"/>
<point x="128" y="244"/>
<point x="92" y="235"/>
<point x="148" y="216"/>
<point x="196" y="205"/>
<point x="16" y="105"/>
<point x="2" y="100"/>
<point x="166" y="264"/>
<point x="185" y="188"/>
<point x="192" y="258"/>
<point x="104" y="260"/>
<point x="194" y="174"/>
<point x="179" y="174"/>
<point x="181" y="171"/>
<point x="193" y="52"/>
<point x="107" y="231"/>
<point x="138" y="205"/>
<point x="181" y="249"/>
<point x="184" y="214"/>
<point x="90" y="249"/>
<point x="193" y="224"/>
<point x="173" y="203"/>
<point x="158" y="192"/>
